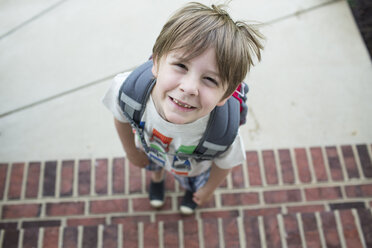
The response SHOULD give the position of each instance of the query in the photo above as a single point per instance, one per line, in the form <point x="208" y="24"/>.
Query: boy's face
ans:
<point x="187" y="90"/>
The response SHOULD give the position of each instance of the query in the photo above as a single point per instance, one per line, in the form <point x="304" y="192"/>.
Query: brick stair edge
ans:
<point x="343" y="227"/>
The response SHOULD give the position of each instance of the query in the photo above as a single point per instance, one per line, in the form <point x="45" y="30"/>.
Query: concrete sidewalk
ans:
<point x="313" y="86"/>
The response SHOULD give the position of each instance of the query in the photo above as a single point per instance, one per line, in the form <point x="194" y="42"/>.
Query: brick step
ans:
<point x="338" y="228"/>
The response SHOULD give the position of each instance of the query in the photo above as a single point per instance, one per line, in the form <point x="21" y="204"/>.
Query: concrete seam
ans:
<point x="301" y="230"/>
<point x="40" y="238"/>
<point x="311" y="165"/>
<point x="180" y="234"/>
<point x="140" y="234"/>
<point x="80" y="236"/>
<point x="262" y="231"/>
<point x="35" y="17"/>
<point x="282" y="231"/>
<point x="240" y="223"/>
<point x="319" y="224"/>
<point x="200" y="233"/>
<point x="60" y="236"/>
<point x="7" y="181"/>
<point x="2" y="236"/>
<point x="20" y="238"/>
<point x="340" y="229"/>
<point x="109" y="176"/>
<point x="126" y="176"/>
<point x="245" y="174"/>
<point x="58" y="179"/>
<point x="120" y="235"/>
<point x="100" y="236"/>
<point x="93" y="172"/>
<point x="161" y="234"/>
<point x="261" y="168"/>
<point x="326" y="164"/>
<point x="220" y="233"/>
<point x="278" y="166"/>
<point x="75" y="181"/>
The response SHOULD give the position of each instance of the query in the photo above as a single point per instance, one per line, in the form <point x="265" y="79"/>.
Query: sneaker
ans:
<point x="156" y="194"/>
<point x="188" y="206"/>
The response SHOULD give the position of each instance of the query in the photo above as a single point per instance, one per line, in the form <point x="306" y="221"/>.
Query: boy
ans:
<point x="199" y="59"/>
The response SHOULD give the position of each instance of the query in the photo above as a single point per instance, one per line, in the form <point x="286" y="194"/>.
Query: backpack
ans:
<point x="222" y="126"/>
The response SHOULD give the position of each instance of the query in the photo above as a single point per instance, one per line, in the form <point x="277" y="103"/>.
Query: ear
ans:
<point x="154" y="68"/>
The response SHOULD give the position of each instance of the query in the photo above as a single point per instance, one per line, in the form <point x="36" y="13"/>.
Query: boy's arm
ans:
<point x="136" y="156"/>
<point x="216" y="177"/>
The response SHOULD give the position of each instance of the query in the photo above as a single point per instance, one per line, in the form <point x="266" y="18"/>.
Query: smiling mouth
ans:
<point x="181" y="104"/>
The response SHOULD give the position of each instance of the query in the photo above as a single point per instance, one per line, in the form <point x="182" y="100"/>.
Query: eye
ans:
<point x="182" y="66"/>
<point x="212" y="80"/>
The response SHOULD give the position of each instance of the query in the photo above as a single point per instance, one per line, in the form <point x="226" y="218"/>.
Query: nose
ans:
<point x="190" y="85"/>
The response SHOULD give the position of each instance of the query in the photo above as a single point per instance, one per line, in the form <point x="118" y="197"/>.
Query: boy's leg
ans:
<point x="157" y="188"/>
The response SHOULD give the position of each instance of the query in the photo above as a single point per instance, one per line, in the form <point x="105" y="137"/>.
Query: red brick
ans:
<point x="67" y="178"/>
<point x="51" y="237"/>
<point x="272" y="233"/>
<point x="252" y="232"/>
<point x="41" y="223"/>
<point x="110" y="237"/>
<point x="21" y="211"/>
<point x="130" y="219"/>
<point x="270" y="167"/>
<point x="90" y="237"/>
<point x="86" y="221"/>
<point x="16" y="178"/>
<point x="171" y="234"/>
<point x="70" y="237"/>
<point x="324" y="193"/>
<point x="334" y="164"/>
<point x="84" y="177"/>
<point x="365" y="160"/>
<point x="3" y="173"/>
<point x="101" y="176"/>
<point x="11" y="239"/>
<point x="210" y="233"/>
<point x="350" y="231"/>
<point x="318" y="164"/>
<point x="219" y="214"/>
<point x="350" y="163"/>
<point x="151" y="237"/>
<point x="261" y="211"/>
<point x="33" y="178"/>
<point x="30" y="237"/>
<point x="281" y="196"/>
<point x="143" y="204"/>
<point x="190" y="234"/>
<point x="109" y="206"/>
<point x="302" y="165"/>
<point x="306" y="209"/>
<point x="173" y="217"/>
<point x="365" y="220"/>
<point x="362" y="190"/>
<point x="237" y="177"/>
<point x="65" y="208"/>
<point x="130" y="235"/>
<point x="50" y="173"/>
<point x="293" y="236"/>
<point x="286" y="166"/>
<point x="253" y="166"/>
<point x="231" y="232"/>
<point x="310" y="228"/>
<point x="239" y="199"/>
<point x="135" y="179"/>
<point x="118" y="175"/>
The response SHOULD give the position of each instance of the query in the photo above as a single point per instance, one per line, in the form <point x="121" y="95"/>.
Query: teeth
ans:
<point x="181" y="104"/>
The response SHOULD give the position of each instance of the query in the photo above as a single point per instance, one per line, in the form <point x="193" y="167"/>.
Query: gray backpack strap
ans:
<point x="221" y="130"/>
<point x="135" y="91"/>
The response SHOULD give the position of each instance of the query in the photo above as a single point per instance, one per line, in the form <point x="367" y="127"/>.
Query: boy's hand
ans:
<point x="202" y="196"/>
<point x="138" y="158"/>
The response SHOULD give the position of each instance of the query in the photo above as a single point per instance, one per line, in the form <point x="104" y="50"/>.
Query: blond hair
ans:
<point x="196" y="27"/>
